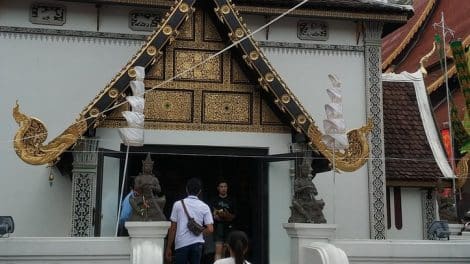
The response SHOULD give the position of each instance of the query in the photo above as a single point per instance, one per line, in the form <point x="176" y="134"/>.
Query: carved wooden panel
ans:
<point x="210" y="71"/>
<point x="217" y="96"/>
<point x="169" y="105"/>
<point x="268" y="117"/>
<point x="237" y="74"/>
<point x="187" y="29"/>
<point x="227" y="107"/>
<point x="210" y="31"/>
<point x="157" y="71"/>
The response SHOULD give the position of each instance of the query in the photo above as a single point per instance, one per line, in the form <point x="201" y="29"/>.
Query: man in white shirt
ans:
<point x="188" y="247"/>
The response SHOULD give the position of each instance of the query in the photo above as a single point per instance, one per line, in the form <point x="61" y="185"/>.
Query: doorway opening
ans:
<point x="244" y="169"/>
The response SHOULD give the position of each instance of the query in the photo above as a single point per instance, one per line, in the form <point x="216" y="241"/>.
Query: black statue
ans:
<point x="146" y="205"/>
<point x="305" y="208"/>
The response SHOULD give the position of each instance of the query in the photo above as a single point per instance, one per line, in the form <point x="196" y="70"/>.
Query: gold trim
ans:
<point x="425" y="58"/>
<point x="285" y="98"/>
<point x="94" y="112"/>
<point x="113" y="93"/>
<point x="254" y="55"/>
<point x="151" y="50"/>
<point x="167" y="30"/>
<point x="32" y="133"/>
<point x="439" y="81"/>
<point x="225" y="9"/>
<point x="450" y="71"/>
<point x="184" y="8"/>
<point x="269" y="77"/>
<point x="409" y="36"/>
<point x="352" y="158"/>
<point x="239" y="33"/>
<point x="301" y="119"/>
<point x="132" y="73"/>
<point x="322" y="14"/>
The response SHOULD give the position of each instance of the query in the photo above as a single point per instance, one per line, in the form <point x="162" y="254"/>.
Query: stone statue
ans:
<point x="146" y="205"/>
<point x="305" y="208"/>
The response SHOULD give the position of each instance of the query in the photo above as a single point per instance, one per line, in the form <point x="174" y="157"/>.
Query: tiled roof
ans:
<point x="456" y="18"/>
<point x="408" y="156"/>
<point x="394" y="43"/>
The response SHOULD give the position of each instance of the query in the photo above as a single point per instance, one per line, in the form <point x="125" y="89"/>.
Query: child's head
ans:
<point x="237" y="242"/>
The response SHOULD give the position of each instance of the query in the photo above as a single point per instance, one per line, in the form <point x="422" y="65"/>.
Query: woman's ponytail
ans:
<point x="238" y="243"/>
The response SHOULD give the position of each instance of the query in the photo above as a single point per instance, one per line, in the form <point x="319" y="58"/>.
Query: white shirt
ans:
<point x="198" y="210"/>
<point x="228" y="261"/>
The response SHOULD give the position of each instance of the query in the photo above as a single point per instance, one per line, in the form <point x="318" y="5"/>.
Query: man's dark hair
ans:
<point x="221" y="180"/>
<point x="193" y="187"/>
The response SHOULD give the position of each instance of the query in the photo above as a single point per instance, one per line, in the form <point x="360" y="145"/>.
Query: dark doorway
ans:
<point x="243" y="168"/>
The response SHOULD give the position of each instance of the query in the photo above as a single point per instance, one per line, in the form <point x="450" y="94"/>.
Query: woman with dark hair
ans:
<point x="237" y="243"/>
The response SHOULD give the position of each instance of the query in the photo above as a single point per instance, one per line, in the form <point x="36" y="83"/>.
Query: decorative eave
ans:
<point x="391" y="13"/>
<point x="451" y="71"/>
<point x="349" y="160"/>
<point x="406" y="40"/>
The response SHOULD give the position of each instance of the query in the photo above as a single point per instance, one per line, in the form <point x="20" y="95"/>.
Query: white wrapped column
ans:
<point x="147" y="241"/>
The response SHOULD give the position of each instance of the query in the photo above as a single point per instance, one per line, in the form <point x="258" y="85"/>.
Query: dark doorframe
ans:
<point x="257" y="192"/>
<point x="99" y="184"/>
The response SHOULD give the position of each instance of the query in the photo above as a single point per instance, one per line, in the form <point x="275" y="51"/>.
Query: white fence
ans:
<point x="406" y="251"/>
<point x="20" y="250"/>
<point x="64" y="250"/>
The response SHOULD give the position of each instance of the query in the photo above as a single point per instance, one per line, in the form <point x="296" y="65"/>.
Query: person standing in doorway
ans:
<point x="188" y="246"/>
<point x="223" y="209"/>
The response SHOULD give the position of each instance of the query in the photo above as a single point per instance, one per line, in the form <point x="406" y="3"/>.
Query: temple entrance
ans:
<point x="243" y="168"/>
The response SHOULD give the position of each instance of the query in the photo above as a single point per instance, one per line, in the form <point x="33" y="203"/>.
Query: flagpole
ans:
<point x="449" y="118"/>
<point x="122" y="191"/>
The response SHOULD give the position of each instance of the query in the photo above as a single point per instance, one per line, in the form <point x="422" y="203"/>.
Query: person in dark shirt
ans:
<point x="223" y="210"/>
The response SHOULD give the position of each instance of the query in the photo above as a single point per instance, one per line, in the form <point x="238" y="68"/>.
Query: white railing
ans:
<point x="97" y="250"/>
<point x="405" y="251"/>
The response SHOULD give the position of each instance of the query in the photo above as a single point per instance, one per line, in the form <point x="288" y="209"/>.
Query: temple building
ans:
<point x="411" y="47"/>
<point x="233" y="89"/>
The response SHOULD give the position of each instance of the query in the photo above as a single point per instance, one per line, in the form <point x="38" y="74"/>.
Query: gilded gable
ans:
<point x="217" y="95"/>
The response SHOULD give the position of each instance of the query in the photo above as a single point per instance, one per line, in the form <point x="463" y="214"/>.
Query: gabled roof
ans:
<point x="413" y="152"/>
<point x="30" y="136"/>
<point x="403" y="49"/>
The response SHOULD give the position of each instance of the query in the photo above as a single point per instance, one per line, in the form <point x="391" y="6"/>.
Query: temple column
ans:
<point x="374" y="101"/>
<point x="429" y="210"/>
<point x="85" y="163"/>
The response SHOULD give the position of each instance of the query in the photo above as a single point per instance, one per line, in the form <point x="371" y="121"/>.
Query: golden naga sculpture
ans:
<point x="350" y="159"/>
<point x="29" y="139"/>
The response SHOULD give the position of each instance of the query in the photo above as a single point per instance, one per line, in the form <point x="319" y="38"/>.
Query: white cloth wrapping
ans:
<point x="134" y="119"/>
<point x="334" y="125"/>
<point x="132" y="136"/>
<point x="137" y="103"/>
<point x="140" y="73"/>
<point x="138" y="88"/>
<point x="334" y="111"/>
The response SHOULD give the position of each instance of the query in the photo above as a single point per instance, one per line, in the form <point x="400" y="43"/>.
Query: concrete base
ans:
<point x="147" y="241"/>
<point x="303" y="235"/>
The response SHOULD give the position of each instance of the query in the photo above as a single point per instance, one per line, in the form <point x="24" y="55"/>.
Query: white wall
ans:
<point x="53" y="78"/>
<point x="306" y="74"/>
<point x="412" y="213"/>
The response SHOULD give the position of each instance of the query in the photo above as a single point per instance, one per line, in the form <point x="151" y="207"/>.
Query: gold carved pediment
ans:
<point x="218" y="95"/>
